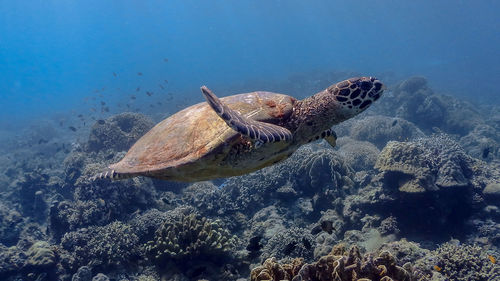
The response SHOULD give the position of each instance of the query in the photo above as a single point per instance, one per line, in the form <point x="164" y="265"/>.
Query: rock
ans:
<point x="492" y="191"/>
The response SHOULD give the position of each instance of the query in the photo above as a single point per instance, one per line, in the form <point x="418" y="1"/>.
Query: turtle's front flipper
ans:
<point x="330" y="136"/>
<point x="259" y="131"/>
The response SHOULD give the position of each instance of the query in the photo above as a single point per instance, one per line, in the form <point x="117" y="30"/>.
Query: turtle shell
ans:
<point x="196" y="144"/>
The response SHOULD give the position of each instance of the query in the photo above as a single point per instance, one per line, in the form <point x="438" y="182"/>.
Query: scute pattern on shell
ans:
<point x="210" y="139"/>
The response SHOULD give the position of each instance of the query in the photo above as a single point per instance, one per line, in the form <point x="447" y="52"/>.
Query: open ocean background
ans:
<point x="54" y="54"/>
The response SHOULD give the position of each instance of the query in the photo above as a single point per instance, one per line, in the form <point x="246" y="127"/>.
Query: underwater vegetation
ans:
<point x="410" y="192"/>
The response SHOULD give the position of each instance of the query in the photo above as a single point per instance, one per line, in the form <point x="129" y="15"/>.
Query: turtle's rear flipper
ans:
<point x="109" y="173"/>
<point x="259" y="131"/>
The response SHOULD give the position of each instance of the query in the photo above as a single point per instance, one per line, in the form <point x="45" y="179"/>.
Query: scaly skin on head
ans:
<point x="333" y="105"/>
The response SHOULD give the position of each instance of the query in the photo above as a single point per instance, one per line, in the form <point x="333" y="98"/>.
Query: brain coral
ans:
<point x="360" y="155"/>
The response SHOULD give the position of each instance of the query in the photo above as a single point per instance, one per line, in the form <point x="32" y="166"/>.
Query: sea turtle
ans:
<point x="242" y="133"/>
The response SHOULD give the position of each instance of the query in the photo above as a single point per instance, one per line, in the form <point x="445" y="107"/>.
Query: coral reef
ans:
<point x="429" y="164"/>
<point x="187" y="238"/>
<point x="11" y="225"/>
<point x="145" y="224"/>
<point x="12" y="260"/>
<point x="414" y="101"/>
<point x="83" y="273"/>
<point x="396" y="201"/>
<point x="119" y="132"/>
<point x="429" y="184"/>
<point x="381" y="129"/>
<point x="40" y="255"/>
<point x="483" y="142"/>
<point x="293" y="242"/>
<point x="114" y="244"/>
<point x="311" y="172"/>
<point x="339" y="265"/>
<point x="359" y="155"/>
<point x="465" y="262"/>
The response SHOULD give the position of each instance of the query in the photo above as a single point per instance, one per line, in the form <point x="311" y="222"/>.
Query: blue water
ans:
<point x="55" y="55"/>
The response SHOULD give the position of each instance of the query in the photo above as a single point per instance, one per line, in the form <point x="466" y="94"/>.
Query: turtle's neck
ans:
<point x="313" y="115"/>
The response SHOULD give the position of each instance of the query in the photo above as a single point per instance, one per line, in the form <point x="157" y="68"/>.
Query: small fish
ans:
<point x="61" y="123"/>
<point x="93" y="109"/>
<point x="437" y="268"/>
<point x="101" y="122"/>
<point x="80" y="115"/>
<point x="161" y="86"/>
<point x="114" y="74"/>
<point x="138" y="89"/>
<point x="106" y="109"/>
<point x="149" y="93"/>
<point x="103" y="103"/>
<point x="165" y="60"/>
<point x="72" y="128"/>
<point x="132" y="97"/>
<point x="139" y="73"/>
<point x="492" y="259"/>
<point x="166" y="81"/>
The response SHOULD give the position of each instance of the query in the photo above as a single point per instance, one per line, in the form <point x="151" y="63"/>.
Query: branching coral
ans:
<point x="466" y="262"/>
<point x="189" y="237"/>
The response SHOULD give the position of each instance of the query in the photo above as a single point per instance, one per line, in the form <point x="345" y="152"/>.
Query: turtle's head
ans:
<point x="353" y="96"/>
